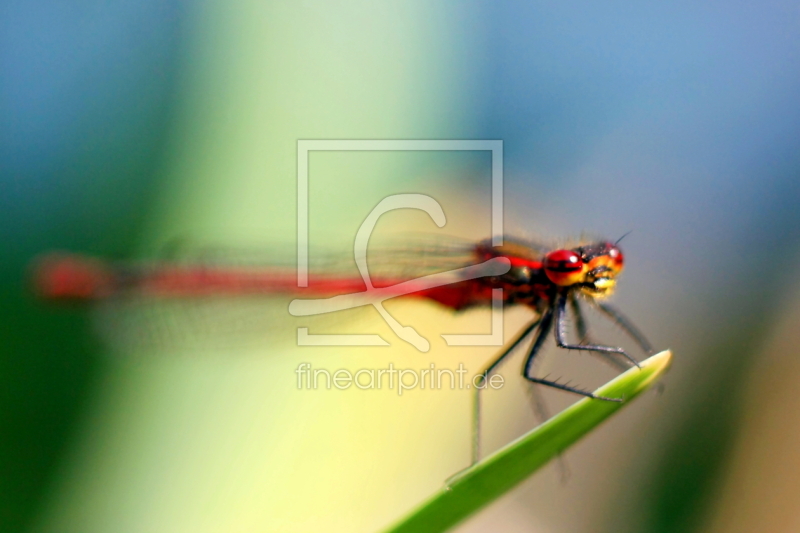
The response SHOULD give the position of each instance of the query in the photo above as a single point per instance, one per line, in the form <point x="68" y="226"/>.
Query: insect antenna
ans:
<point x="618" y="240"/>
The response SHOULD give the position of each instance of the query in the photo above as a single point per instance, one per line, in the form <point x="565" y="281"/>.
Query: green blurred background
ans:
<point x="129" y="126"/>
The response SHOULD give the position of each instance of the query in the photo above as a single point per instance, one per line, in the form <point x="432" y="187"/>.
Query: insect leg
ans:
<point x="542" y="414"/>
<point x="580" y="321"/>
<point x="545" y="325"/>
<point x="544" y="330"/>
<point x="626" y="325"/>
<point x="583" y="334"/>
<point x="476" y="405"/>
<point x="561" y="307"/>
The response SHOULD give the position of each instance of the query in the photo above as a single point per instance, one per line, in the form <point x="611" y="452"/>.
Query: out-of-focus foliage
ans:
<point x="129" y="125"/>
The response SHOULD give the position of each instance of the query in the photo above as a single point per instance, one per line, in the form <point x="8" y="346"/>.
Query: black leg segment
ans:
<point x="543" y="332"/>
<point x="476" y="405"/>
<point x="626" y="325"/>
<point x="561" y="340"/>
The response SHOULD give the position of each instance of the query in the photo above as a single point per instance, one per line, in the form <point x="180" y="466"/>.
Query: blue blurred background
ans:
<point x="125" y="124"/>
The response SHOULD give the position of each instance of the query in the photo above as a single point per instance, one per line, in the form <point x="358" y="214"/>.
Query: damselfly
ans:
<point x="551" y="282"/>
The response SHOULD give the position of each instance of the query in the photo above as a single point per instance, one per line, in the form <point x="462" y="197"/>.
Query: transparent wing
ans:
<point x="138" y="319"/>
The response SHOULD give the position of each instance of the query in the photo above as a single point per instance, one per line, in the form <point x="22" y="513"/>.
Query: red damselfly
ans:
<point x="553" y="282"/>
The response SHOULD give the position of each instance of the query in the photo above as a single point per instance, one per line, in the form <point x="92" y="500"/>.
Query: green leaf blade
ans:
<point x="492" y="477"/>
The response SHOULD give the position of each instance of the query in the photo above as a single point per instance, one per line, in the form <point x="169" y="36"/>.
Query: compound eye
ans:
<point x="617" y="259"/>
<point x="564" y="267"/>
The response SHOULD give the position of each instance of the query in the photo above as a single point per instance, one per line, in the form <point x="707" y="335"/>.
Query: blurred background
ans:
<point x="127" y="127"/>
